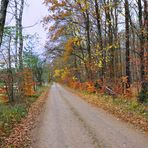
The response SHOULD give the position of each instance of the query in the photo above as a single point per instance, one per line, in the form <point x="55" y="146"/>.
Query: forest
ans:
<point x="21" y="68"/>
<point x="95" y="52"/>
<point x="99" y="45"/>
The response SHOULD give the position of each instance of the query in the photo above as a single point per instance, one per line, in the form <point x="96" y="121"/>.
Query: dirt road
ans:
<point x="70" y="122"/>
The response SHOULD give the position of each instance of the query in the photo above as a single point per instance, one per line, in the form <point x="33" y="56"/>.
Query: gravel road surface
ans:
<point x="69" y="122"/>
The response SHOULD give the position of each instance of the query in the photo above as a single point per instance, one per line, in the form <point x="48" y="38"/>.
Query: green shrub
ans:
<point x="143" y="95"/>
<point x="11" y="114"/>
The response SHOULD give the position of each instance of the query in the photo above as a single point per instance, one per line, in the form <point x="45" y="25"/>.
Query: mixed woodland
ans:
<point x="21" y="68"/>
<point x="99" y="45"/>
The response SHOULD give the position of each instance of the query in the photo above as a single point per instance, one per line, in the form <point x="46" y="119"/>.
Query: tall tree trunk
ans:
<point x="88" y="43"/>
<point x="85" y="64"/>
<point x="10" y="75"/>
<point x="110" y="37"/>
<point x="21" y="35"/>
<point x="146" y="35"/>
<point x="98" y="19"/>
<point x="20" y="51"/>
<point x="3" y="11"/>
<point x="127" y="43"/>
<point x="114" y="16"/>
<point x="142" y="42"/>
<point x="16" y="34"/>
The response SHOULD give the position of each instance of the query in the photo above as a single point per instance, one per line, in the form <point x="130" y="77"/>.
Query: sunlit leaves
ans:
<point x="61" y="74"/>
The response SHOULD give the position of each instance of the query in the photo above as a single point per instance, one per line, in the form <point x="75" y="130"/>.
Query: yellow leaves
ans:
<point x="110" y="47"/>
<point x="74" y="78"/>
<point x="57" y="73"/>
<point x="61" y="74"/>
<point x="84" y="5"/>
<point x="97" y="53"/>
<point x="113" y="46"/>
<point x="65" y="74"/>
<point x="69" y="46"/>
<point x="107" y="59"/>
<point x="100" y="64"/>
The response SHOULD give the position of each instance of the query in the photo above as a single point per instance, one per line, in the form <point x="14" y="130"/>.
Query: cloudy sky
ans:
<point x="33" y="13"/>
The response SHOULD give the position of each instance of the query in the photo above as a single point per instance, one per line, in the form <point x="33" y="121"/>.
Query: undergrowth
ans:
<point x="11" y="114"/>
<point x="127" y="105"/>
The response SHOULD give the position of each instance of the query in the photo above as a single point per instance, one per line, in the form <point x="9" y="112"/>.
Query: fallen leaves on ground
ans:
<point x="19" y="137"/>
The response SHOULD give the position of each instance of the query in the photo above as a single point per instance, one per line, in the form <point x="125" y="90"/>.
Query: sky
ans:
<point x="33" y="13"/>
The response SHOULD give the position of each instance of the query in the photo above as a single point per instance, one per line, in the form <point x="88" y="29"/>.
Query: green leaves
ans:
<point x="10" y="113"/>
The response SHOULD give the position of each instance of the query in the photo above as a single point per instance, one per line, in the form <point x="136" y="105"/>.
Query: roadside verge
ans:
<point x="125" y="110"/>
<point x="19" y="136"/>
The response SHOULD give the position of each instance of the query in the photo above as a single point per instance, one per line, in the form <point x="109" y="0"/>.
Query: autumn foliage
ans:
<point x="3" y="96"/>
<point x="104" y="41"/>
<point x="65" y="76"/>
<point x="28" y="83"/>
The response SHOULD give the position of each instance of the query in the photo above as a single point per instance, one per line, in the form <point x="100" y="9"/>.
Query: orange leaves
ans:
<point x="124" y="79"/>
<point x="74" y="84"/>
<point x="57" y="14"/>
<point x="57" y="4"/>
<point x="61" y="15"/>
<point x="86" y="86"/>
<point x="90" y="87"/>
<point x="20" y="134"/>
<point x="69" y="44"/>
<point x="28" y="83"/>
<point x="3" y="96"/>
<point x="58" y="33"/>
<point x="2" y="90"/>
<point x="69" y="47"/>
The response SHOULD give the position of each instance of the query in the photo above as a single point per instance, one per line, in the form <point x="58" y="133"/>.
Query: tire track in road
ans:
<point x="97" y="142"/>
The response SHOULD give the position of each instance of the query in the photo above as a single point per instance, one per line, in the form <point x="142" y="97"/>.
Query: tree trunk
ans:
<point x="20" y="35"/>
<point x="88" y="44"/>
<point x="142" y="42"/>
<point x="20" y="51"/>
<point x="16" y="34"/>
<point x="110" y="38"/>
<point x="3" y="11"/>
<point x="98" y="18"/>
<point x="10" y="74"/>
<point x="127" y="43"/>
